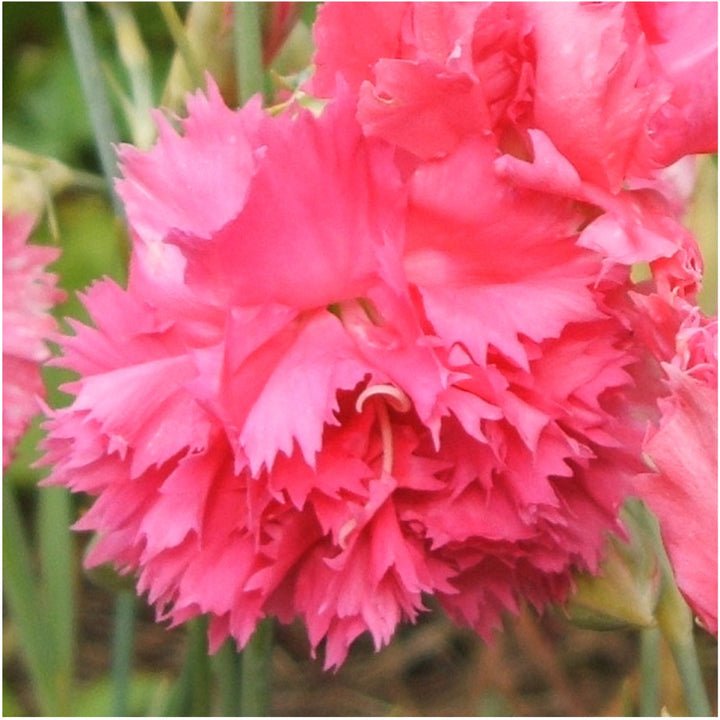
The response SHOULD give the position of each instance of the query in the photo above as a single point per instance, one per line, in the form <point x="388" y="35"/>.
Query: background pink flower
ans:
<point x="29" y="293"/>
<point x="682" y="450"/>
<point x="616" y="88"/>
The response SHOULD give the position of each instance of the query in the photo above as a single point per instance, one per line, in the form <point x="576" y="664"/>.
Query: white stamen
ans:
<point x="397" y="398"/>
<point x="345" y="532"/>
<point x="400" y="401"/>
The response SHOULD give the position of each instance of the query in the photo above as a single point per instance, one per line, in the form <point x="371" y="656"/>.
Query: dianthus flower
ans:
<point x="345" y="375"/>
<point x="29" y="293"/>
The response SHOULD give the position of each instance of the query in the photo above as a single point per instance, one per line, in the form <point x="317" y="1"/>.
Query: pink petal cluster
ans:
<point x="29" y="293"/>
<point x="585" y="101"/>
<point x="386" y="353"/>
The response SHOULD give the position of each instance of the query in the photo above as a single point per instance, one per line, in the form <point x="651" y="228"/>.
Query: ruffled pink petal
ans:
<point x="156" y="416"/>
<point x="349" y="39"/>
<point x="320" y="209"/>
<point x="211" y="162"/>
<point x="388" y="357"/>
<point x="462" y="227"/>
<point x="592" y="66"/>
<point x="312" y="367"/>
<point x="685" y="40"/>
<point x="430" y="110"/>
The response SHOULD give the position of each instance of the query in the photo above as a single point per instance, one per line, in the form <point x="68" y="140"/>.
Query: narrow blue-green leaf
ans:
<point x="94" y="91"/>
<point x="136" y="59"/>
<point x="58" y="585"/>
<point x="23" y="597"/>
<point x="248" y="50"/>
<point x="122" y="652"/>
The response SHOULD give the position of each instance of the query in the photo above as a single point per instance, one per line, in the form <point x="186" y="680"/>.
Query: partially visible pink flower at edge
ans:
<point x="683" y="450"/>
<point x="29" y="293"/>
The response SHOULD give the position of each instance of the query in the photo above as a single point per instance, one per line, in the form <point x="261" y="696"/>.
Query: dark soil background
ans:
<point x="539" y="666"/>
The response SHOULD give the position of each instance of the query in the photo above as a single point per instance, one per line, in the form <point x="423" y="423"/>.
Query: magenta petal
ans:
<point x="429" y="110"/>
<point x="29" y="292"/>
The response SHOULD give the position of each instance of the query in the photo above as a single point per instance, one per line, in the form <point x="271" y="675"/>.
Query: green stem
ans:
<point x="200" y="704"/>
<point x="688" y="665"/>
<point x="676" y="623"/>
<point x="122" y="651"/>
<point x="226" y="667"/>
<point x="190" y="695"/>
<point x="649" y="704"/>
<point x="248" y="50"/>
<point x="56" y="553"/>
<point x="255" y="672"/>
<point x="25" y="607"/>
<point x="93" y="87"/>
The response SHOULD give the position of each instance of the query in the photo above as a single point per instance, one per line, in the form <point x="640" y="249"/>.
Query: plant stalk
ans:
<point x="256" y="672"/>
<point x="122" y="651"/>
<point x="649" y="701"/>
<point x="248" y="50"/>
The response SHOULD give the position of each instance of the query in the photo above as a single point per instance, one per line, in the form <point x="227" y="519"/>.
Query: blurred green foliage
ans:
<point x="43" y="107"/>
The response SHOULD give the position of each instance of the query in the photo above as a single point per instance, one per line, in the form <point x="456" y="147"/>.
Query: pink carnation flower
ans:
<point x="345" y="375"/>
<point x="29" y="293"/>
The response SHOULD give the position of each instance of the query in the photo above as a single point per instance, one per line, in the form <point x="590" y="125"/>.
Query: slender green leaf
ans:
<point x="179" y="35"/>
<point x="122" y="651"/>
<point x="93" y="86"/>
<point x="248" y="50"/>
<point x="23" y="597"/>
<point x="58" y="585"/>
<point x="256" y="672"/>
